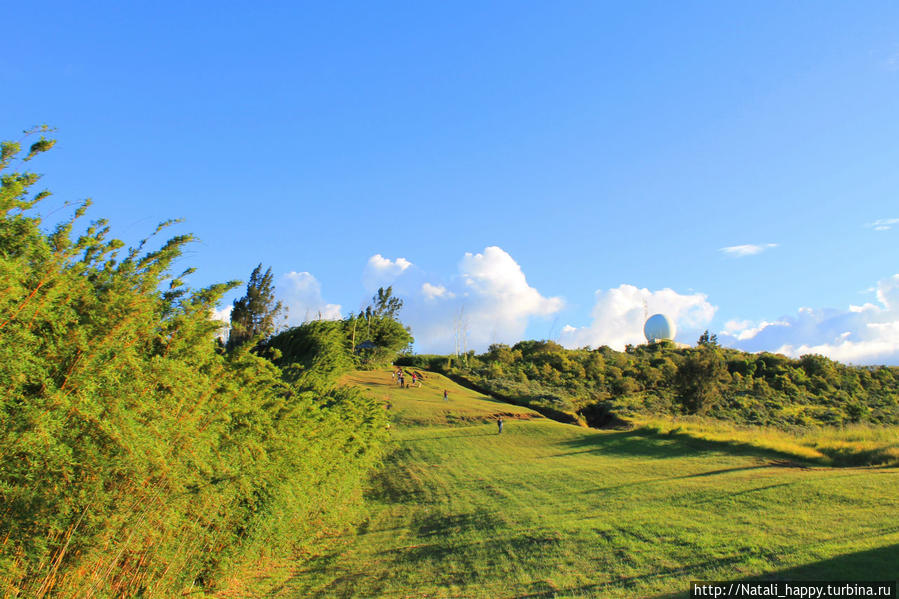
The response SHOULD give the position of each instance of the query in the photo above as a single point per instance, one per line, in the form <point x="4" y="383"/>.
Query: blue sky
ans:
<point x="542" y="168"/>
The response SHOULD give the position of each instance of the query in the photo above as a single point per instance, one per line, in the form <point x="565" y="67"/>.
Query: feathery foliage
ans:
<point x="137" y="457"/>
<point x="253" y="316"/>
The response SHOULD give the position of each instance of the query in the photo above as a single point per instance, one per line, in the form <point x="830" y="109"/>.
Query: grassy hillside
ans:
<point x="554" y="510"/>
<point x="425" y="406"/>
<point x="599" y="385"/>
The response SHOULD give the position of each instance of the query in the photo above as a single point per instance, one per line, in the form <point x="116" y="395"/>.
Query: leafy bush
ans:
<point x="138" y="458"/>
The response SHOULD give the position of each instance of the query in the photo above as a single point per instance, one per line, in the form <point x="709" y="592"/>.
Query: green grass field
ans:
<point x="554" y="510"/>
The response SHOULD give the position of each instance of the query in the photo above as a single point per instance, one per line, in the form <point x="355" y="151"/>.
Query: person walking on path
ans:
<point x="444" y="395"/>
<point x="499" y="424"/>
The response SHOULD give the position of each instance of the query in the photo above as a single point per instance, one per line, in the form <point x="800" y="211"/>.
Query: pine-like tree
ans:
<point x="253" y="316"/>
<point x="386" y="304"/>
<point x="707" y="339"/>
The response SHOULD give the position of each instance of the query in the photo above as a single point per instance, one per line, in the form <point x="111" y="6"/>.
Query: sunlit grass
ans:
<point x="425" y="405"/>
<point x="555" y="510"/>
<point x="855" y="445"/>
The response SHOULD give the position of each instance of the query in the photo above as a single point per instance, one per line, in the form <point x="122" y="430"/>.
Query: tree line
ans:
<point x="596" y="385"/>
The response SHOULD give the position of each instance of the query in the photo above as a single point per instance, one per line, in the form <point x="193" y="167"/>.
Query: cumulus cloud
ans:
<point x="500" y="295"/>
<point x="434" y="291"/>
<point x="883" y="224"/>
<point x="301" y="294"/>
<point x="739" y="251"/>
<point x="381" y="272"/>
<point x="866" y="334"/>
<point x="746" y="329"/>
<point x="488" y="301"/>
<point x="618" y="316"/>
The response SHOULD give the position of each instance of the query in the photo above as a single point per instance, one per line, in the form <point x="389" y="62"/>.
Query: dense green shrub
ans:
<point x="137" y="457"/>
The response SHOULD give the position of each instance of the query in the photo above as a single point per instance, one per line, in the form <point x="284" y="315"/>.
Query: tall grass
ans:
<point x="851" y="445"/>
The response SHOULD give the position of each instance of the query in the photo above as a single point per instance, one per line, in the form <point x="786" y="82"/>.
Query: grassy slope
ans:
<point x="548" y="509"/>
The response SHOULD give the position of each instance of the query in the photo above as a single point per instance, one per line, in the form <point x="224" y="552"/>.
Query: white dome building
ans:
<point x="659" y="327"/>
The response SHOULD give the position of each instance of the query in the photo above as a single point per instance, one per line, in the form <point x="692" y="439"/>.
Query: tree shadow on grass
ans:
<point x="601" y="589"/>
<point x="643" y="442"/>
<point x="440" y="525"/>
<point x="392" y="483"/>
<point x="471" y="558"/>
<point x="881" y="564"/>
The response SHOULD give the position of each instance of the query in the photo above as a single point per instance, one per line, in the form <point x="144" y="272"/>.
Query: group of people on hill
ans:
<point x="399" y="377"/>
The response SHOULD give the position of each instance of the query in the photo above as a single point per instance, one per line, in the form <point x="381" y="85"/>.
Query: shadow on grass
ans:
<point x="643" y="442"/>
<point x="642" y="482"/>
<point x="394" y="482"/>
<point x="601" y="589"/>
<point x="445" y="524"/>
<point x="881" y="564"/>
<point x="472" y="560"/>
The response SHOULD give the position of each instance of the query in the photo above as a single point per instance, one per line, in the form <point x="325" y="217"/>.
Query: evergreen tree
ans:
<point x="707" y="339"/>
<point x="253" y="316"/>
<point x="385" y="304"/>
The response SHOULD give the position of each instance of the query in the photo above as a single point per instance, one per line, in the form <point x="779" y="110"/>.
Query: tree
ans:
<point x="385" y="304"/>
<point x="699" y="379"/>
<point x="706" y="339"/>
<point x="381" y="327"/>
<point x="253" y="316"/>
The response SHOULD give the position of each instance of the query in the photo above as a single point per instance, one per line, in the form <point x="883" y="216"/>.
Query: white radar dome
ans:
<point x="658" y="327"/>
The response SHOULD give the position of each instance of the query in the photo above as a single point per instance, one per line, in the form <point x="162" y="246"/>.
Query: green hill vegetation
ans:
<point x="328" y="348"/>
<point x="601" y="385"/>
<point x="556" y="510"/>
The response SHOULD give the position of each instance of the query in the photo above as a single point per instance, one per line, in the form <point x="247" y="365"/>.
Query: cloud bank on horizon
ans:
<point x="866" y="334"/>
<point x="489" y="300"/>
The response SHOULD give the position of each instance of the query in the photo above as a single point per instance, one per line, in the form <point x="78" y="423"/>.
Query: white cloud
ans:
<point x="301" y="294"/>
<point x="866" y="334"/>
<point x="739" y="251"/>
<point x="746" y="329"/>
<point x="499" y="299"/>
<point x="435" y="291"/>
<point x="618" y="316"/>
<point x="733" y="326"/>
<point x="380" y="271"/>
<point x="883" y="224"/>
<point x="489" y="300"/>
